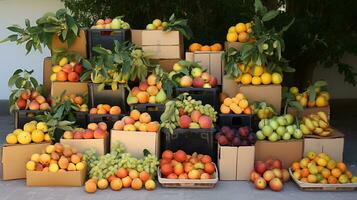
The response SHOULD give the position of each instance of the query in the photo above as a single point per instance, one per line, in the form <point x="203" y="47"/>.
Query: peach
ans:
<point x="194" y="174"/>
<point x="34" y="94"/>
<point x="172" y="176"/>
<point x="75" y="159"/>
<point x="116" y="184"/>
<point x="167" y="155"/>
<point x="59" y="148"/>
<point x="102" y="125"/>
<point x="68" y="135"/>
<point x="180" y="156"/>
<point x="143" y="85"/>
<point x="78" y="135"/>
<point x="183" y="176"/>
<point x="115" y="110"/>
<point x="186" y="81"/>
<point x="185" y="121"/>
<point x="150" y="185"/>
<point x="122" y="173"/>
<point x="152" y="126"/>
<point x="21" y="103"/>
<point x="78" y="68"/>
<point x="178" y="169"/>
<point x="88" y="134"/>
<point x="73" y="77"/>
<point x="133" y="174"/>
<point x="99" y="134"/>
<point x="166" y="169"/>
<point x="135" y="114"/>
<point x="119" y="125"/>
<point x="101" y="112"/>
<point x="205" y="122"/>
<point x="111" y="178"/>
<point x="206" y="159"/>
<point x="205" y="176"/>
<point x="126" y="181"/>
<point x="78" y="100"/>
<point x="128" y="120"/>
<point x="136" y="184"/>
<point x="144" y="176"/>
<point x="151" y="80"/>
<point x="67" y="68"/>
<point x="142" y="127"/>
<point x="135" y="91"/>
<point x="44" y="106"/>
<point x="92" y="126"/>
<point x="106" y="107"/>
<point x="93" y="111"/>
<point x="67" y="152"/>
<point x="159" y="85"/>
<point x="209" y="168"/>
<point x="129" y="127"/>
<point x="54" y="156"/>
<point x="40" y="99"/>
<point x="195" y="115"/>
<point x="102" y="184"/>
<point x="188" y="167"/>
<point x="90" y="187"/>
<point x="145" y="117"/>
<point x="61" y="76"/>
<point x="34" y="105"/>
<point x="25" y="95"/>
<point x="143" y="97"/>
<point x="152" y="90"/>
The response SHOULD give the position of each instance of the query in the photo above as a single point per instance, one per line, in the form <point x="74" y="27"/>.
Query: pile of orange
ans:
<point x="199" y="47"/>
<point x="239" y="33"/>
<point x="322" y="169"/>
<point x="237" y="105"/>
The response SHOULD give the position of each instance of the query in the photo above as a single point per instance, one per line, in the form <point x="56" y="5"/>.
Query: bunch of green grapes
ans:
<point x="104" y="167"/>
<point x="189" y="105"/>
<point x="90" y="156"/>
<point x="150" y="164"/>
<point x="128" y="161"/>
<point x="208" y="110"/>
<point x="117" y="149"/>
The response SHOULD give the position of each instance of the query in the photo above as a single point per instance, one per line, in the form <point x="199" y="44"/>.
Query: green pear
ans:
<point x="131" y="99"/>
<point x="161" y="96"/>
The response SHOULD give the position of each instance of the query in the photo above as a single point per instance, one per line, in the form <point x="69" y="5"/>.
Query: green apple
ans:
<point x="279" y="137"/>
<point x="148" y="27"/>
<point x="298" y="134"/>
<point x="262" y="123"/>
<point x="115" y="24"/>
<point x="177" y="67"/>
<point x="286" y="136"/>
<point x="282" y="121"/>
<point x="290" y="129"/>
<point x="274" y="124"/>
<point x="273" y="137"/>
<point x="260" y="135"/>
<point x="289" y="118"/>
<point x="267" y="130"/>
<point x="196" y="72"/>
<point x="281" y="130"/>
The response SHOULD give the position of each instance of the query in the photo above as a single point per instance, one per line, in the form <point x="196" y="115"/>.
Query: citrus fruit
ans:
<point x="29" y="127"/>
<point x="246" y="79"/>
<point x="11" y="138"/>
<point x="277" y="78"/>
<point x="266" y="78"/>
<point x="257" y="70"/>
<point x="194" y="47"/>
<point x="256" y="80"/>
<point x="24" y="137"/>
<point x="232" y="37"/>
<point x="294" y="90"/>
<point x="321" y="101"/>
<point x="243" y="37"/>
<point x="37" y="136"/>
<point x="42" y="126"/>
<point x="240" y="27"/>
<point x="232" y="29"/>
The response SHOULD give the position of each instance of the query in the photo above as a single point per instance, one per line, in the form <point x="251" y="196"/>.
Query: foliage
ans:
<point x="167" y="83"/>
<point x="186" y="68"/>
<point x="180" y="25"/>
<point x="20" y="81"/>
<point x="59" y="24"/>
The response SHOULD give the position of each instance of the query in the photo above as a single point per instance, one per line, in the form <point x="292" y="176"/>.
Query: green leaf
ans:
<point x="285" y="28"/>
<point x="16" y="29"/>
<point x="12" y="80"/>
<point x="296" y="105"/>
<point x="34" y="82"/>
<point x="259" y="8"/>
<point x="320" y="83"/>
<point x="270" y="15"/>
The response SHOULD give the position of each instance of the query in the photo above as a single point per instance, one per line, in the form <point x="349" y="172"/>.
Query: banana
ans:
<point x="323" y="124"/>
<point x="304" y="129"/>
<point x="314" y="117"/>
<point x="315" y="123"/>
<point x="325" y="133"/>
<point x="318" y="130"/>
<point x="309" y="124"/>
<point x="323" y="116"/>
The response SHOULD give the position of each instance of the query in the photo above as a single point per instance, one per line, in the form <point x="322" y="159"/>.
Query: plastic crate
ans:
<point x="81" y="119"/>
<point x="21" y="117"/>
<point x="206" y="95"/>
<point x="108" y="96"/>
<point x="106" y="37"/>
<point x="107" y="118"/>
<point x="190" y="141"/>
<point x="235" y="121"/>
<point x="155" y="110"/>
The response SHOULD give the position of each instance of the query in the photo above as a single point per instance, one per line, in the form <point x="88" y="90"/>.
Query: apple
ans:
<point x="286" y="175"/>
<point x="243" y="132"/>
<point x="269" y="163"/>
<point x="276" y="185"/>
<point x="260" y="167"/>
<point x="213" y="81"/>
<point x="115" y="24"/>
<point x="277" y="173"/>
<point x="267" y="130"/>
<point x="206" y="77"/>
<point x="298" y="134"/>
<point x="198" y="82"/>
<point x="274" y="124"/>
<point x="286" y="136"/>
<point x="273" y="137"/>
<point x="281" y="130"/>
<point x="282" y="121"/>
<point x="260" y="135"/>
<point x="277" y="164"/>
<point x="262" y="123"/>
<point x="268" y="175"/>
<point x="260" y="183"/>
<point x="289" y="118"/>
<point x="254" y="176"/>
<point x="196" y="72"/>
<point x="290" y="129"/>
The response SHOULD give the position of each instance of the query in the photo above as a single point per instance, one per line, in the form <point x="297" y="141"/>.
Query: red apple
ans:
<point x="213" y="81"/>
<point x="198" y="82"/>
<point x="260" y="183"/>
<point x="286" y="175"/>
<point x="268" y="175"/>
<point x="78" y="68"/>
<point x="269" y="163"/>
<point x="254" y="176"/>
<point x="277" y="164"/>
<point x="276" y="185"/>
<point x="206" y="77"/>
<point x="260" y="167"/>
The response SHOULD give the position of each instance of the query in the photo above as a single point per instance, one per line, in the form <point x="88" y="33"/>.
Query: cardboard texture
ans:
<point x="135" y="142"/>
<point x="68" y="178"/>
<point x="78" y="88"/>
<point x="287" y="151"/>
<point x="15" y="157"/>
<point x="210" y="60"/>
<point x="332" y="145"/>
<point x="162" y="45"/>
<point x="166" y="64"/>
<point x="308" y="111"/>
<point x="229" y="86"/>
<point x="268" y="93"/>
<point x="100" y="145"/>
<point x="47" y="71"/>
<point x="235" y="163"/>
<point x="79" y="45"/>
<point x="236" y="45"/>
<point x="136" y="37"/>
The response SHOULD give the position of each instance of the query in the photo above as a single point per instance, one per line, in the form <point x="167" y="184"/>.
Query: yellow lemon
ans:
<point x="53" y="77"/>
<point x="232" y="37"/>
<point x="325" y="94"/>
<point x="56" y="68"/>
<point x="17" y="131"/>
<point x="240" y="27"/>
<point x="243" y="103"/>
<point x="47" y="137"/>
<point x="277" y="78"/>
<point x="246" y="79"/>
<point x="30" y="165"/>
<point x="266" y="78"/>
<point x="29" y="127"/>
<point x="24" y="137"/>
<point x="37" y="136"/>
<point x="11" y="138"/>
<point x="33" y="122"/>
<point x="35" y="157"/>
<point x="42" y="126"/>
<point x="257" y="70"/>
<point x="232" y="29"/>
<point x="157" y="22"/>
<point x="256" y="80"/>
<point x="321" y="101"/>
<point x="63" y="61"/>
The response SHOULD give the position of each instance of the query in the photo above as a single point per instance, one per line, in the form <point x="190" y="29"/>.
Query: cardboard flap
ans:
<point x="159" y="37"/>
<point x="100" y="145"/>
<point x="245" y="162"/>
<point x="78" y="88"/>
<point x="163" y="52"/>
<point x="227" y="162"/>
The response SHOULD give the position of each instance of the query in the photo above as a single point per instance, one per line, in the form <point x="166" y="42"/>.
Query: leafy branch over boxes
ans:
<point x="50" y="25"/>
<point x="180" y="25"/>
<point x="125" y="63"/>
<point x="265" y="50"/>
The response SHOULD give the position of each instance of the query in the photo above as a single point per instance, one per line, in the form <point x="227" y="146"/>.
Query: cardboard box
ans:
<point x="229" y="86"/>
<point x="166" y="64"/>
<point x="47" y="71"/>
<point x="14" y="158"/>
<point x="210" y="60"/>
<point x="236" y="45"/>
<point x="136" y="142"/>
<point x="78" y="88"/>
<point x="308" y="111"/>
<point x="100" y="145"/>
<point x="235" y="163"/>
<point x="68" y="178"/>
<point x="332" y="145"/>
<point x="79" y="45"/>
<point x="268" y="93"/>
<point x="136" y="37"/>
<point x="286" y="151"/>
<point x="162" y="45"/>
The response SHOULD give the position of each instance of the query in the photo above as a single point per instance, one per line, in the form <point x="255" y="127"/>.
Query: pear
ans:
<point x="131" y="99"/>
<point x="161" y="96"/>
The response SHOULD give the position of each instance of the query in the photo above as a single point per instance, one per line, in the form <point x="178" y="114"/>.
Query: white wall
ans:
<point x="13" y="56"/>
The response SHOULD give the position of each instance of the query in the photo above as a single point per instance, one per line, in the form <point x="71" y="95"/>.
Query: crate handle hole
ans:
<point x="237" y="121"/>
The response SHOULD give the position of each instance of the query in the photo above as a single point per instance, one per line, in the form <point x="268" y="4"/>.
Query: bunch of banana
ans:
<point x="317" y="124"/>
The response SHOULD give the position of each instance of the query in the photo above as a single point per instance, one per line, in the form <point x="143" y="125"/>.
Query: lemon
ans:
<point x="321" y="101"/>
<point x="258" y="70"/>
<point x="240" y="27"/>
<point x="232" y="37"/>
<point x="157" y="22"/>
<point x="277" y="78"/>
<point x="24" y="137"/>
<point x="56" y="68"/>
<point x="53" y="77"/>
<point x="35" y="157"/>
<point x="33" y="122"/>
<point x="246" y="79"/>
<point x="47" y="137"/>
<point x="29" y="127"/>
<point x="243" y="68"/>
<point x="37" y="136"/>
<point x="42" y="126"/>
<point x="17" y="131"/>
<point x="11" y="138"/>
<point x="256" y="80"/>
<point x="239" y="78"/>
<point x="30" y="165"/>
<point x="177" y="67"/>
<point x="63" y="61"/>
<point x="294" y="90"/>
<point x="325" y="94"/>
<point x="266" y="78"/>
<point x="232" y="29"/>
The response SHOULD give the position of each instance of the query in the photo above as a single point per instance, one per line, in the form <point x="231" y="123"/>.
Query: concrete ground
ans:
<point x="343" y="117"/>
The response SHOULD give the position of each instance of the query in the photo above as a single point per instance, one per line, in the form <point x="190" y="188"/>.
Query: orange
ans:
<point x="240" y="28"/>
<point x="194" y="47"/>
<point x="341" y="166"/>
<point x="61" y="76"/>
<point x="305" y="172"/>
<point x="205" y="48"/>
<point x="216" y="47"/>
<point x="243" y="37"/>
<point x="311" y="178"/>
<point x="336" y="172"/>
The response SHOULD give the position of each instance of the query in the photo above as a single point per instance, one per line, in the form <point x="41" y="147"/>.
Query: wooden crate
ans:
<point x="315" y="187"/>
<point x="188" y="183"/>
